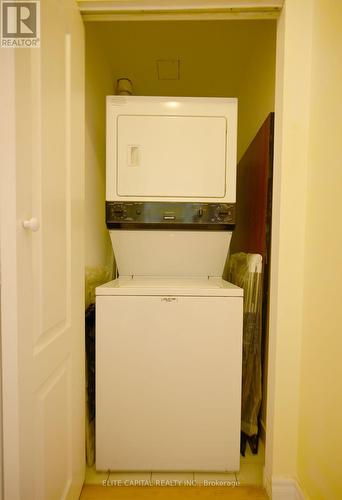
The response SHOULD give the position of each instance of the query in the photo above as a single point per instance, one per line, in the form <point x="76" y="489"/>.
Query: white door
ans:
<point x="42" y="268"/>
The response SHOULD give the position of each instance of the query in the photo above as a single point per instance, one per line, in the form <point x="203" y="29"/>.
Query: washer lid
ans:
<point x="173" y="286"/>
<point x="170" y="253"/>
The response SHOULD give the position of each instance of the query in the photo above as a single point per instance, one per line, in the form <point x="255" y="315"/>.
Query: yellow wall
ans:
<point x="305" y="407"/>
<point x="320" y="441"/>
<point x="256" y="87"/>
<point x="98" y="251"/>
<point x="98" y="84"/>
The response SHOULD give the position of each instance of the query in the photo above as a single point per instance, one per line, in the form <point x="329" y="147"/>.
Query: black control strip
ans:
<point x="166" y="215"/>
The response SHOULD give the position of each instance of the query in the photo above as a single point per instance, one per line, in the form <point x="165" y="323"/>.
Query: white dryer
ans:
<point x="169" y="329"/>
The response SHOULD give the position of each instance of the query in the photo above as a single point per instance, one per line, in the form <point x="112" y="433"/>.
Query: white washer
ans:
<point x="168" y="374"/>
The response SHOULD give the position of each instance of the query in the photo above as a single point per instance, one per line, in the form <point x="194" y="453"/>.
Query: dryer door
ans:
<point x="171" y="156"/>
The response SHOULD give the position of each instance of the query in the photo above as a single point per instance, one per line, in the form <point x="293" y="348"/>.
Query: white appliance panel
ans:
<point x="170" y="253"/>
<point x="168" y="383"/>
<point x="171" y="156"/>
<point x="171" y="149"/>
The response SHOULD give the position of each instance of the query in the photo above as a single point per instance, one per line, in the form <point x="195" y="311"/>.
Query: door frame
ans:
<point x="9" y="330"/>
<point x="280" y="257"/>
<point x="292" y="112"/>
<point x="108" y="10"/>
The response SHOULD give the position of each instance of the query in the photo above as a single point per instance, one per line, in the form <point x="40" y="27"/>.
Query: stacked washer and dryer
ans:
<point x="169" y="329"/>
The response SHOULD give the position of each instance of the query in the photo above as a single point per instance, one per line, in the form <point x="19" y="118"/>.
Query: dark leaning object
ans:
<point x="253" y="442"/>
<point x="90" y="354"/>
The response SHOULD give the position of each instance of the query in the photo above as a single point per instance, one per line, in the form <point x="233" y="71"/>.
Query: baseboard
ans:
<point x="267" y="485"/>
<point x="286" y="489"/>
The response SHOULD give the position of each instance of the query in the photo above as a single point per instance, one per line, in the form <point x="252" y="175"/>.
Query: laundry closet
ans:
<point x="207" y="58"/>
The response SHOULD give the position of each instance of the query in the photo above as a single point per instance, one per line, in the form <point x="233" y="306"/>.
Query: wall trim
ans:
<point x="153" y="5"/>
<point x="130" y="10"/>
<point x="267" y="484"/>
<point x="286" y="489"/>
<point x="180" y="16"/>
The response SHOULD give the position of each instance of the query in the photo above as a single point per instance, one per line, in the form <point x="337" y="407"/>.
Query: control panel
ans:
<point x="165" y="214"/>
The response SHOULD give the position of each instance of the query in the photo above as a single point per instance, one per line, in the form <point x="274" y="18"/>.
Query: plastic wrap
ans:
<point x="95" y="276"/>
<point x="244" y="270"/>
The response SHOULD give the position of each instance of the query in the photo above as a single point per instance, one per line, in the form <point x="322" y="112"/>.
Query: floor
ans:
<point x="91" y="492"/>
<point x="245" y="484"/>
